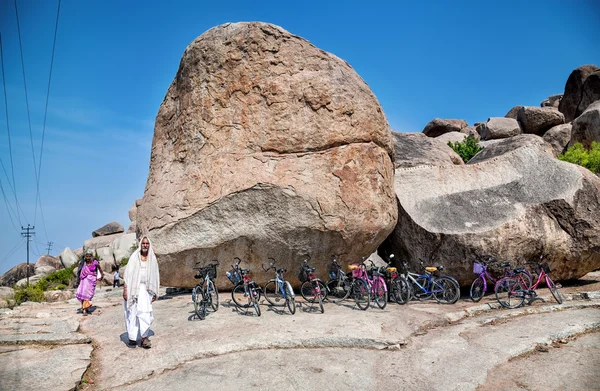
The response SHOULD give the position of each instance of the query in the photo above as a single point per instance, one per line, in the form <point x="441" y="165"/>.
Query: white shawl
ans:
<point x="132" y="274"/>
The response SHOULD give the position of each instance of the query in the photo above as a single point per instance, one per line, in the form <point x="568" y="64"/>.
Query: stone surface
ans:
<point x="586" y="127"/>
<point x="510" y="144"/>
<point x="16" y="273"/>
<point x="48" y="260"/>
<point x="416" y="149"/>
<point x="106" y="256"/>
<point x="123" y="247"/>
<point x="559" y="137"/>
<point x="32" y="280"/>
<point x="452" y="137"/>
<point x="265" y="146"/>
<point x="59" y="295"/>
<point x="537" y="120"/>
<point x="573" y="91"/>
<point x="100" y="241"/>
<point x="552" y="101"/>
<point x="514" y="112"/>
<point x="590" y="92"/>
<point x="439" y="126"/>
<point x="44" y="270"/>
<point x="68" y="258"/>
<point x="471" y="131"/>
<point x="496" y="128"/>
<point x="108" y="229"/>
<point x="520" y="204"/>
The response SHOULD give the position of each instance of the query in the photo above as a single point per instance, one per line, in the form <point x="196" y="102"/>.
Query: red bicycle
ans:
<point x="511" y="292"/>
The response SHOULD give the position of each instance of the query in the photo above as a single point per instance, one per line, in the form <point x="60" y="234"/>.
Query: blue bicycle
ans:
<point x="278" y="292"/>
<point x="444" y="289"/>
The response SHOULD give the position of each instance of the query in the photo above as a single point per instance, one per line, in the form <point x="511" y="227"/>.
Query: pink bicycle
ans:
<point x="374" y="277"/>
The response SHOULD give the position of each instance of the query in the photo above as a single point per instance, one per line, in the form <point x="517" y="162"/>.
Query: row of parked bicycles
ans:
<point x="364" y="283"/>
<point x="516" y="285"/>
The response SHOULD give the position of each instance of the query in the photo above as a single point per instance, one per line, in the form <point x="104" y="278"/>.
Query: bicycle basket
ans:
<point x="212" y="271"/>
<point x="332" y="270"/>
<point x="234" y="276"/>
<point x="477" y="268"/>
<point x="303" y="275"/>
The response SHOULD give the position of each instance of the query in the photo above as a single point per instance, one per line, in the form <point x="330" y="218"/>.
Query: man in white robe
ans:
<point x="139" y="292"/>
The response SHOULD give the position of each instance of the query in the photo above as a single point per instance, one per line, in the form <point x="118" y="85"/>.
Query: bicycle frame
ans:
<point x="361" y="272"/>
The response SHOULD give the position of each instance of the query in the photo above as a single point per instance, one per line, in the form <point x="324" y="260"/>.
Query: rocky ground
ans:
<point x="466" y="346"/>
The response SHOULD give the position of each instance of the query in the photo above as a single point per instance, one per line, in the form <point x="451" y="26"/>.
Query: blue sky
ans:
<point x="114" y="61"/>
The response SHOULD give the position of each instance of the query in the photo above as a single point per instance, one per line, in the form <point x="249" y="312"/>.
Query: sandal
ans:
<point x="146" y="344"/>
<point x="132" y="342"/>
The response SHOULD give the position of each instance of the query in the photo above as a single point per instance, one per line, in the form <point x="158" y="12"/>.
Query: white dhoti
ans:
<point x="139" y="317"/>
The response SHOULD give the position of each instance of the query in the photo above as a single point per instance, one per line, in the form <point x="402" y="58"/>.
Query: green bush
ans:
<point x="28" y="293"/>
<point x="588" y="158"/>
<point x="466" y="149"/>
<point x="124" y="262"/>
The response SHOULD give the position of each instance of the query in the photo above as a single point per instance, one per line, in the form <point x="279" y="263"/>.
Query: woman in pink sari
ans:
<point x="88" y="277"/>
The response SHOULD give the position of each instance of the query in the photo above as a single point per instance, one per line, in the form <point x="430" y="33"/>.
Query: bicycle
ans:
<point x="205" y="292"/>
<point x="278" y="289"/>
<point x="480" y="267"/>
<point x="246" y="293"/>
<point x="444" y="289"/>
<point x="511" y="292"/>
<point x="359" y="287"/>
<point x="313" y="290"/>
<point x="398" y="287"/>
<point x="339" y="284"/>
<point x="375" y="281"/>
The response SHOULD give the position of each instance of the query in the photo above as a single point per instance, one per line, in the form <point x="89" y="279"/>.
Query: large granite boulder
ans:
<point x="452" y="137"/>
<point x="416" y="149"/>
<point x="586" y="127"/>
<point x="48" y="260"/>
<point x="471" y="131"/>
<point x="439" y="126"/>
<point x="498" y="127"/>
<point x="552" y="101"/>
<point x="100" y="241"/>
<point x="514" y="112"/>
<point x="16" y="273"/>
<point x="521" y="204"/>
<point x="537" y="120"/>
<point x="68" y="258"/>
<point x="265" y="145"/>
<point x="510" y="144"/>
<point x="590" y="92"/>
<point x="559" y="137"/>
<point x="108" y="229"/>
<point x="123" y="247"/>
<point x="573" y="91"/>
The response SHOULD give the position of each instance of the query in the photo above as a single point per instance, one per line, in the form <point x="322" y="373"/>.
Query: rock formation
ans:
<point x="573" y="91"/>
<point x="416" y="149"/>
<point x="108" y="229"/>
<point x="264" y="146"/>
<point x="520" y="204"/>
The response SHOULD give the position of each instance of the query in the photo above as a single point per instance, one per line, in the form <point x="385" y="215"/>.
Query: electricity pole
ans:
<point x="27" y="234"/>
<point x="50" y="247"/>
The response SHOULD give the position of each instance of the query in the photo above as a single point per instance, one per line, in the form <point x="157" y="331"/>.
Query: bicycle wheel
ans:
<point x="239" y="296"/>
<point x="401" y="289"/>
<point x="338" y="290"/>
<point x="445" y="290"/>
<point x="307" y="290"/>
<point x="273" y="294"/>
<point x="197" y="300"/>
<point x="422" y="292"/>
<point x="553" y="290"/>
<point x="361" y="294"/>
<point x="213" y="295"/>
<point x="477" y="289"/>
<point x="290" y="298"/>
<point x="320" y="299"/>
<point x="510" y="292"/>
<point x="525" y="278"/>
<point x="380" y="293"/>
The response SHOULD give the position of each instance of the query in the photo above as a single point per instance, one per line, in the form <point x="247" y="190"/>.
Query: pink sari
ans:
<point x="87" y="284"/>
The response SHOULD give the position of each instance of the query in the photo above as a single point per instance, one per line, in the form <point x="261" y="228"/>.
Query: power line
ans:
<point x="14" y="186"/>
<point x="18" y="206"/>
<point x="39" y="175"/>
<point x="14" y="250"/>
<point x="26" y="96"/>
<point x="8" y="207"/>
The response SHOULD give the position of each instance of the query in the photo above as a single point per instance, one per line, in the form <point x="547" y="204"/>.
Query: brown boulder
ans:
<point x="502" y="146"/>
<point x="537" y="120"/>
<point x="16" y="273"/>
<point x="552" y="101"/>
<point x="573" y="91"/>
<point x="108" y="229"/>
<point x="559" y="137"/>
<point x="439" y="126"/>
<point x="586" y="127"/>
<point x="48" y="260"/>
<point x="265" y="146"/>
<point x="416" y="149"/>
<point x="514" y="112"/>
<point x="590" y="92"/>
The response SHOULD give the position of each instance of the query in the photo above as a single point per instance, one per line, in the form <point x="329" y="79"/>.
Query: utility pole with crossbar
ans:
<point x="28" y="234"/>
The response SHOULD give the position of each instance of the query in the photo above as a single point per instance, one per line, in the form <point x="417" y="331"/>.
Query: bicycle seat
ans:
<point x="431" y="269"/>
<point x="354" y="266"/>
<point x="310" y="269"/>
<point x="505" y="264"/>
<point x="282" y="270"/>
<point x="391" y="269"/>
<point x="244" y="271"/>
